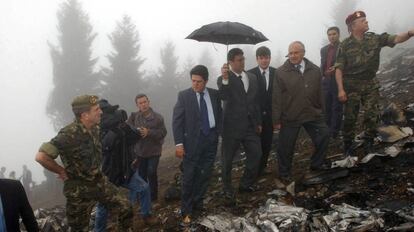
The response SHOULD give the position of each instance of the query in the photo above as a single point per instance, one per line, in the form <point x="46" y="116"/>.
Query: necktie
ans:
<point x="264" y="76"/>
<point x="298" y="66"/>
<point x="205" y="124"/>
<point x="241" y="80"/>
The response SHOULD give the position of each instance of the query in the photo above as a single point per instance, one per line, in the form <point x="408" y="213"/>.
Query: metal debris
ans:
<point x="349" y="218"/>
<point x="325" y="176"/>
<point x="348" y="162"/>
<point x="393" y="133"/>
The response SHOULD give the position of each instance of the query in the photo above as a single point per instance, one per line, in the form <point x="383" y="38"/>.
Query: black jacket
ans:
<point x="241" y="108"/>
<point x="16" y="205"/>
<point x="118" y="139"/>
<point x="264" y="96"/>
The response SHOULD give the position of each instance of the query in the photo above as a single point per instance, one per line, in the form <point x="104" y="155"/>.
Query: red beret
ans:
<point x="353" y="16"/>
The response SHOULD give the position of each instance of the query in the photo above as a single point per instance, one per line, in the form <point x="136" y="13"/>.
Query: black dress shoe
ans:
<point x="250" y="189"/>
<point x="286" y="180"/>
<point x="324" y="166"/>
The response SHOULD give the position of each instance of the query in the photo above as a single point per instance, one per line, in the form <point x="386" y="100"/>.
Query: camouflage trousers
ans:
<point x="81" y="198"/>
<point x="363" y="95"/>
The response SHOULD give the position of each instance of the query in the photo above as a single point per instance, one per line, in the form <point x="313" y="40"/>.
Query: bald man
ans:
<point x="296" y="102"/>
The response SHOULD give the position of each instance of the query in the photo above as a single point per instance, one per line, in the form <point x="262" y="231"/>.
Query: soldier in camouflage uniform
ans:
<point x="79" y="147"/>
<point x="356" y="64"/>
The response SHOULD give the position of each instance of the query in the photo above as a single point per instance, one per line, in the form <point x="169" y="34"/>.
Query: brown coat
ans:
<point x="152" y="144"/>
<point x="297" y="97"/>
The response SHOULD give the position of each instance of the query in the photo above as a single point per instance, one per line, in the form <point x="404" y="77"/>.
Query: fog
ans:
<point x="26" y="27"/>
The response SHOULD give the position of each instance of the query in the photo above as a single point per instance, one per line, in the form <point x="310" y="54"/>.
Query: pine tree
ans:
<point x="72" y="63"/>
<point x="124" y="78"/>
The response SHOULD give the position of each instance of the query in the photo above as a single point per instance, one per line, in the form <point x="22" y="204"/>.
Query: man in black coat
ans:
<point x="333" y="107"/>
<point x="196" y="122"/>
<point x="265" y="75"/>
<point x="15" y="205"/>
<point x="242" y="122"/>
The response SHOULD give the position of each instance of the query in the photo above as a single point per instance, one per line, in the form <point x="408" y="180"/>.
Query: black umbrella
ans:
<point x="227" y="33"/>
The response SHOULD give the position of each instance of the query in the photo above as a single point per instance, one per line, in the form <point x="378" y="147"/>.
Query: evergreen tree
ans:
<point x="72" y="63"/>
<point x="341" y="10"/>
<point x="124" y="78"/>
<point x="166" y="86"/>
<point x="206" y="60"/>
<point x="184" y="76"/>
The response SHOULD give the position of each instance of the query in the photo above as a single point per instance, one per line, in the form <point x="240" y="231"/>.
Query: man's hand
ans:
<point x="276" y="127"/>
<point x="330" y="71"/>
<point x="62" y="175"/>
<point x="135" y="163"/>
<point x="179" y="151"/>
<point x="342" y="96"/>
<point x="259" y="129"/>
<point x="143" y="131"/>
<point x="225" y="71"/>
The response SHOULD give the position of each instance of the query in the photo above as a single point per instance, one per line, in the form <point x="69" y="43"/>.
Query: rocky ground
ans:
<point x="375" y="196"/>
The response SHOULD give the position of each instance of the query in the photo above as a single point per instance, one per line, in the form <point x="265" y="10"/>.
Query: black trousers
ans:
<point x="266" y="139"/>
<point x="197" y="168"/>
<point x="318" y="132"/>
<point x="251" y="144"/>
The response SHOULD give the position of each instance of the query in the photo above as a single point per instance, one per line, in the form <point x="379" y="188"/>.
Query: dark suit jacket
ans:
<point x="324" y="57"/>
<point x="241" y="109"/>
<point x="264" y="96"/>
<point x="16" y="205"/>
<point x="186" y="117"/>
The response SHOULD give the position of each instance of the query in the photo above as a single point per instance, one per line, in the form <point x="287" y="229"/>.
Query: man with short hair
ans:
<point x="148" y="148"/>
<point x="356" y="65"/>
<point x="196" y="121"/>
<point x="119" y="164"/>
<point x="333" y="107"/>
<point x="297" y="103"/>
<point x="79" y="146"/>
<point x="242" y="122"/>
<point x="265" y="75"/>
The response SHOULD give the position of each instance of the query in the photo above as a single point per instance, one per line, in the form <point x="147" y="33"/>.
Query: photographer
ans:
<point x="119" y="162"/>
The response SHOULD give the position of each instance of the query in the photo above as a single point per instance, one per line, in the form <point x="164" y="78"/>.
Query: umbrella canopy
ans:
<point x="227" y="33"/>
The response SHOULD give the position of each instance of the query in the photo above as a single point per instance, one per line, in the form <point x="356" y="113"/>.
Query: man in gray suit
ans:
<point x="196" y="120"/>
<point x="241" y="121"/>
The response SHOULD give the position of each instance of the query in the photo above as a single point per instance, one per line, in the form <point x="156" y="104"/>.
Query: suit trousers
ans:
<point x="197" y="168"/>
<point x="252" y="146"/>
<point x="333" y="107"/>
<point x="266" y="139"/>
<point x="319" y="134"/>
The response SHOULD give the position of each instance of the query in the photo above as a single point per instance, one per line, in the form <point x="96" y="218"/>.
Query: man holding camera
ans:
<point x="152" y="129"/>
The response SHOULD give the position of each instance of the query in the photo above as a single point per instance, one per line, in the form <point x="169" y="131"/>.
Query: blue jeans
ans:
<point x="148" y="171"/>
<point x="136" y="186"/>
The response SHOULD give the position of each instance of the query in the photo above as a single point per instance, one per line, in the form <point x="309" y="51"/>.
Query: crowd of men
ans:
<point x="103" y="149"/>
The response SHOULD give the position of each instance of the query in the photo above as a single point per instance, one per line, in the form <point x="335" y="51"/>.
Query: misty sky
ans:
<point x="27" y="25"/>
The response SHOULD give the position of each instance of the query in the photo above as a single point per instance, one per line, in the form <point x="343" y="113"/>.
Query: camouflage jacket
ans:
<point x="360" y="59"/>
<point x="79" y="150"/>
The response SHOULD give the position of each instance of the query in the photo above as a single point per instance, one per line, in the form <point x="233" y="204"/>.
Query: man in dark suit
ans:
<point x="15" y="205"/>
<point x="265" y="75"/>
<point x="241" y="122"/>
<point x="196" y="122"/>
<point x="333" y="107"/>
